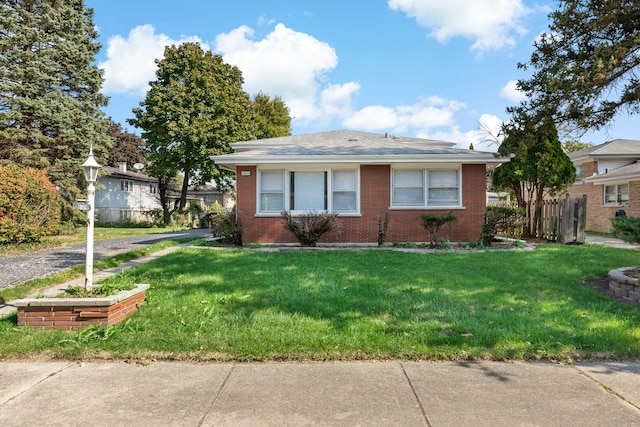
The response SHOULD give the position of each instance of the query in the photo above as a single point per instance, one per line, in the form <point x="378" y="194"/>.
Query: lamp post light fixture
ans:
<point x="90" y="169"/>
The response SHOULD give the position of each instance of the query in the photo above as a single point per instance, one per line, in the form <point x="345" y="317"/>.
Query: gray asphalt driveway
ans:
<point x="20" y="268"/>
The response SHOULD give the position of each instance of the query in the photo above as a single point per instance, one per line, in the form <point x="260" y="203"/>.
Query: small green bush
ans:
<point x="505" y="220"/>
<point x="226" y="224"/>
<point x="626" y="228"/>
<point x="433" y="224"/>
<point x="29" y="205"/>
<point x="308" y="228"/>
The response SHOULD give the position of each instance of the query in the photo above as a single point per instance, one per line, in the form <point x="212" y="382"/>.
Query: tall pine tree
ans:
<point x="49" y="88"/>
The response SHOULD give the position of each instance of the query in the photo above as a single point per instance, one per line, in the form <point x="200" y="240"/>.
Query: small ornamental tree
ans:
<point x="29" y="205"/>
<point x="433" y="224"/>
<point x="308" y="228"/>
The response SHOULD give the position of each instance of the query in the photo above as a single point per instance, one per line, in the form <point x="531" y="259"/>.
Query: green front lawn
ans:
<point x="343" y="305"/>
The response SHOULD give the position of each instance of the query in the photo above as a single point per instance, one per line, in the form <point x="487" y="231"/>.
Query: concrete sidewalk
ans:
<point x="320" y="394"/>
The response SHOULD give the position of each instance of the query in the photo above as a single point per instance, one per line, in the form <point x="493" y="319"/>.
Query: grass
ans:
<point x="79" y="235"/>
<point x="31" y="286"/>
<point x="345" y="305"/>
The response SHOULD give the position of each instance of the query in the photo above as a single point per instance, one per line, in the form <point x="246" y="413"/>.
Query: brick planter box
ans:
<point x="624" y="286"/>
<point x="74" y="313"/>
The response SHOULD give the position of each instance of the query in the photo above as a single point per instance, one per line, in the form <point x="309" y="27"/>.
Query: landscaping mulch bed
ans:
<point x="601" y="285"/>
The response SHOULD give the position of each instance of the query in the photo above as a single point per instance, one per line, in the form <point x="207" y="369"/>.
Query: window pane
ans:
<point x="623" y="193"/>
<point x="271" y="202"/>
<point x="344" y="184"/>
<point x="271" y="191"/>
<point x="408" y="188"/>
<point x="443" y="196"/>
<point x="308" y="191"/>
<point x="610" y="194"/>
<point x="271" y="181"/>
<point x="443" y="178"/>
<point x="344" y="201"/>
<point x="344" y="180"/>
<point x="411" y="178"/>
<point x="443" y="188"/>
<point x="408" y="197"/>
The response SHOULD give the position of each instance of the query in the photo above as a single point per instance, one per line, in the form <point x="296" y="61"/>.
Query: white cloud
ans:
<point x="421" y="118"/>
<point x="287" y="63"/>
<point x="130" y="62"/>
<point x="485" y="138"/>
<point x="511" y="92"/>
<point x="492" y="24"/>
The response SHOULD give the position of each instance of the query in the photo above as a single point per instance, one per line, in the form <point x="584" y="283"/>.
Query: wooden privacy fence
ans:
<point x="562" y="220"/>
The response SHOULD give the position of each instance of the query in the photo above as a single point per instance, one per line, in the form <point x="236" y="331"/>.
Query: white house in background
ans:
<point x="122" y="195"/>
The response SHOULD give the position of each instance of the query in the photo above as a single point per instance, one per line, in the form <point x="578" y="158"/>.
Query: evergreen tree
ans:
<point x="49" y="88"/>
<point x="539" y="167"/>
<point x="585" y="68"/>
<point x="194" y="109"/>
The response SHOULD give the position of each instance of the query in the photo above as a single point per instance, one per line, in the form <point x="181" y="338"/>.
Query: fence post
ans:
<point x="581" y="218"/>
<point x="565" y="226"/>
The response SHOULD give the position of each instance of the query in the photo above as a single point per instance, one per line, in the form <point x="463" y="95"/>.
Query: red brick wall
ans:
<point x="598" y="215"/>
<point x="74" y="317"/>
<point x="375" y="192"/>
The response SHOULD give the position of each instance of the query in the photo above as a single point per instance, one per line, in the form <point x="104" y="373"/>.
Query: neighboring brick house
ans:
<point x="361" y="176"/>
<point x="609" y="174"/>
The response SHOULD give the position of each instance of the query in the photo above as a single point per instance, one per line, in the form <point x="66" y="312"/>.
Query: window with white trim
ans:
<point x="443" y="188"/>
<point x="425" y="188"/>
<point x="617" y="194"/>
<point x="271" y="191"/>
<point x="308" y="190"/>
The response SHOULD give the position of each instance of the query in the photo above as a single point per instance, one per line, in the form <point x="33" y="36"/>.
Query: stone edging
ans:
<point x="623" y="286"/>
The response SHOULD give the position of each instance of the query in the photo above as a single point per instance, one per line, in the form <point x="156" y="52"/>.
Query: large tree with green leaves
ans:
<point x="271" y="117"/>
<point x="49" y="88"/>
<point x="585" y="68"/>
<point x="194" y="109"/>
<point x="538" y="167"/>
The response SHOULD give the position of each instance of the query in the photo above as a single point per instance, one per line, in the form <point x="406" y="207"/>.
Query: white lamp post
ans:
<point x="90" y="169"/>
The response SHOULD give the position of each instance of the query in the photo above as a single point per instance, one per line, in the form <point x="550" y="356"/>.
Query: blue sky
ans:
<point x="421" y="68"/>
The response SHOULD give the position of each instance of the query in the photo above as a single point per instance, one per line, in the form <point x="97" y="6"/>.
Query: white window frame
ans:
<point x="262" y="194"/>
<point x="619" y="198"/>
<point x="286" y="180"/>
<point x="426" y="186"/>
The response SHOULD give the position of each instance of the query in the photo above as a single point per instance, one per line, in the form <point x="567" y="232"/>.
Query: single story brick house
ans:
<point x="361" y="176"/>
<point x="609" y="174"/>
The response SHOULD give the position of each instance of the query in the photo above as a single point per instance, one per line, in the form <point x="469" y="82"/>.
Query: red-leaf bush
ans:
<point x="29" y="205"/>
<point x="308" y="227"/>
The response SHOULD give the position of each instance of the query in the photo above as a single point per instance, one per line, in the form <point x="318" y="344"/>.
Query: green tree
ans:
<point x="585" y="68"/>
<point x="127" y="147"/>
<point x="573" y="146"/>
<point x="271" y="117"/>
<point x="194" y="109"/>
<point x="539" y="167"/>
<point x="49" y="88"/>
